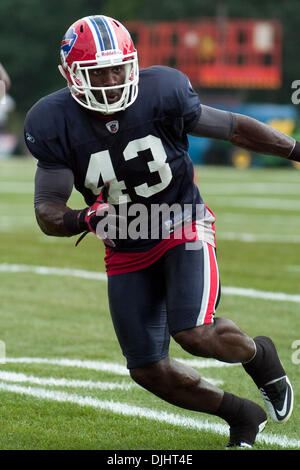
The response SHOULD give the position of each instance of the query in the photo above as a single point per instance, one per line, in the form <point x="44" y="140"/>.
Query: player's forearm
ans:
<point x="259" y="137"/>
<point x="52" y="221"/>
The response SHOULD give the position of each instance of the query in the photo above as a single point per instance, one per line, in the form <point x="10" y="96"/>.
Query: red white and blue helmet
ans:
<point x="93" y="42"/>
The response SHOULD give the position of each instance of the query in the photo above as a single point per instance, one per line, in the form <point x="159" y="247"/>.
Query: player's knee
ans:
<point x="221" y="340"/>
<point x="148" y="376"/>
<point x="166" y="378"/>
<point x="194" y="339"/>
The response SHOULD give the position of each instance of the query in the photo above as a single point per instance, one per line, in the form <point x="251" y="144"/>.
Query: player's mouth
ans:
<point x="113" y="96"/>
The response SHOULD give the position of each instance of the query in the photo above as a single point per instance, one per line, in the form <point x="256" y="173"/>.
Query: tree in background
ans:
<point x="30" y="36"/>
<point x="31" y="30"/>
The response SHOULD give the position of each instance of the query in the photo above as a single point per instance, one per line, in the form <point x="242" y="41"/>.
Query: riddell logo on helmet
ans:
<point x="111" y="52"/>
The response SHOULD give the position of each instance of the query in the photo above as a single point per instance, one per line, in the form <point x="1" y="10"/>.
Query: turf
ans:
<point x="63" y="317"/>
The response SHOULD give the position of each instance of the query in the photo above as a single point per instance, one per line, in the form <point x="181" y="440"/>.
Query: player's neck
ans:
<point x="100" y="116"/>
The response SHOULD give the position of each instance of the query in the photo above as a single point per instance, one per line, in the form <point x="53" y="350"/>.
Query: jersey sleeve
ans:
<point x="179" y="98"/>
<point x="215" y="123"/>
<point x="53" y="185"/>
<point x="44" y="136"/>
<point x="189" y="103"/>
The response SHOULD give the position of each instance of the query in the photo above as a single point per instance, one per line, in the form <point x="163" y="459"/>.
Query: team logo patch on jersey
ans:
<point x="30" y="138"/>
<point x="68" y="41"/>
<point x="113" y="126"/>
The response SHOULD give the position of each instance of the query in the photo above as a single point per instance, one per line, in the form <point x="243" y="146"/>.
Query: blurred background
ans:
<point x="241" y="57"/>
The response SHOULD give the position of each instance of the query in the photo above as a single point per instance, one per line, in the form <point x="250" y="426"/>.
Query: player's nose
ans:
<point x="109" y="78"/>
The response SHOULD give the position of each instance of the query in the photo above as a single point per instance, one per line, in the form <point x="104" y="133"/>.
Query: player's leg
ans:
<point x="223" y="341"/>
<point x="137" y="303"/>
<point x="202" y="335"/>
<point x="179" y="385"/>
<point x="137" y="307"/>
<point x="182" y="386"/>
<point x="270" y="377"/>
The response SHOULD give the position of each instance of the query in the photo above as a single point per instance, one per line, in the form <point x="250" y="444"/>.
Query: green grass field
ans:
<point x="64" y="384"/>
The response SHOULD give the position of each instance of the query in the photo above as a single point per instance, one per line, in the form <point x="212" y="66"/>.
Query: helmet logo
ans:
<point x="113" y="126"/>
<point x="105" y="53"/>
<point x="68" y="41"/>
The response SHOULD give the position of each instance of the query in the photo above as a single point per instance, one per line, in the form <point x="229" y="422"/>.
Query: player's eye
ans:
<point x="118" y="69"/>
<point x="96" y="72"/>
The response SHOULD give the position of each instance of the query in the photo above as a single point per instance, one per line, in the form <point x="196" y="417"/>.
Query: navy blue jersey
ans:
<point x="142" y="151"/>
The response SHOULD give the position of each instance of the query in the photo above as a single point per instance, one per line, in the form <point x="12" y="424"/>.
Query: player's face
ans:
<point x="107" y="77"/>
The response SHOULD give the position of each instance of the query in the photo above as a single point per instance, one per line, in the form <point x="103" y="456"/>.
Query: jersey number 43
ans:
<point x="101" y="165"/>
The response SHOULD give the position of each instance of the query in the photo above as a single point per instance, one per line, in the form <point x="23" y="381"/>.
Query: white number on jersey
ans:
<point x="101" y="165"/>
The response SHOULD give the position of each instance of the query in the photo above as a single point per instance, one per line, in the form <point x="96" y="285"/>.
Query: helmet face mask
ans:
<point x="87" y="46"/>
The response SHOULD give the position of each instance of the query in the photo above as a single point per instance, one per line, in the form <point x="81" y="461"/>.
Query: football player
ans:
<point x="119" y="136"/>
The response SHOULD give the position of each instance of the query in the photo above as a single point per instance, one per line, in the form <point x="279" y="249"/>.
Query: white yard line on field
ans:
<point x="63" y="382"/>
<point x="20" y="377"/>
<point x="258" y="237"/>
<point x="204" y="363"/>
<point x="46" y="271"/>
<point x="129" y="410"/>
<point x="112" y="367"/>
<point x="257" y="294"/>
<point x="257" y="219"/>
<point x="99" y="276"/>
<point x="257" y="203"/>
<point x="241" y="188"/>
<point x="295" y="268"/>
<point x="84" y="364"/>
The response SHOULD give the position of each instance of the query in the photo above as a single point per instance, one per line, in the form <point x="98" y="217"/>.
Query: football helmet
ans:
<point x="94" y="42"/>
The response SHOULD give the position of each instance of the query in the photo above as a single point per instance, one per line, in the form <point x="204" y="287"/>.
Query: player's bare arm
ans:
<point x="246" y="132"/>
<point x="52" y="191"/>
<point x="50" y="217"/>
<point x="259" y="137"/>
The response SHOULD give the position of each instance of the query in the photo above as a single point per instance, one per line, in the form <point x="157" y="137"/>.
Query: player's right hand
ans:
<point x="89" y="218"/>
